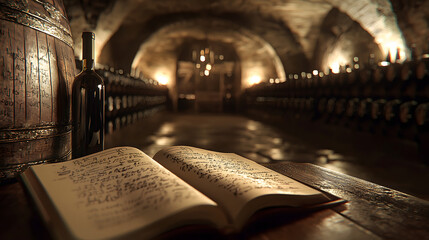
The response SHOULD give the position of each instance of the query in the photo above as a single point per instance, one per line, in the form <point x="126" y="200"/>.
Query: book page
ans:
<point x="115" y="192"/>
<point x="232" y="181"/>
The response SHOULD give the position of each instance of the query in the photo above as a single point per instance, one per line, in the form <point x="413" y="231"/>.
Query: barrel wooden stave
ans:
<point x="36" y="72"/>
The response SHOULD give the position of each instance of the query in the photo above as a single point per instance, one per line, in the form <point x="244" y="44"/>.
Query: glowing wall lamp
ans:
<point x="255" y="79"/>
<point x="162" y="78"/>
<point x="335" y="67"/>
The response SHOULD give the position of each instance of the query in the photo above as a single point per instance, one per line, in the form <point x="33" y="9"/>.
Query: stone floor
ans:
<point x="382" y="161"/>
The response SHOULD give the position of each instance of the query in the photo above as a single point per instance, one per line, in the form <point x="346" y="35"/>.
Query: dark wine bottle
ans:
<point x="87" y="104"/>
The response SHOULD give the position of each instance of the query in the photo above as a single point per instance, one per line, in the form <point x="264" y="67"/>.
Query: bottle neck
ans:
<point x="88" y="39"/>
<point x="87" y="64"/>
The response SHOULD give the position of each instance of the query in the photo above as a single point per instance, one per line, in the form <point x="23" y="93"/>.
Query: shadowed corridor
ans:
<point x="382" y="161"/>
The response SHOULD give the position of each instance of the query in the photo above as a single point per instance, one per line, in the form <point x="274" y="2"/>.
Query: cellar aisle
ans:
<point x="386" y="163"/>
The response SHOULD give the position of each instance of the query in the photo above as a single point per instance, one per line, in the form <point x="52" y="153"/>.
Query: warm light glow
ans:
<point x="190" y="96"/>
<point x="206" y="72"/>
<point x="255" y="79"/>
<point x="337" y="58"/>
<point x="321" y="74"/>
<point x="315" y="72"/>
<point x="309" y="75"/>
<point x="335" y="67"/>
<point x="221" y="57"/>
<point x="202" y="58"/>
<point x="384" y="63"/>
<point x="252" y="125"/>
<point x="277" y="80"/>
<point x="164" y="141"/>
<point x="197" y="65"/>
<point x="162" y="78"/>
<point x="166" y="128"/>
<point x="392" y="47"/>
<point x="271" y="80"/>
<point x="209" y="67"/>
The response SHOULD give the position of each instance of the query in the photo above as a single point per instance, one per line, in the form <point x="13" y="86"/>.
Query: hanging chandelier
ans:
<point x="204" y="60"/>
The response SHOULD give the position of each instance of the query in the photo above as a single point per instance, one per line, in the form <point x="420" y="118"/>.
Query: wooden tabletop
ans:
<point x="372" y="211"/>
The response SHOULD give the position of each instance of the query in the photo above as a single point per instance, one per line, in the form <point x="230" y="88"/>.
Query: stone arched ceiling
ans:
<point x="163" y="46"/>
<point x="291" y="29"/>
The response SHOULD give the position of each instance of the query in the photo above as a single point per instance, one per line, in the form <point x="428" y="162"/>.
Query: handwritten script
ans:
<point x="120" y="184"/>
<point x="228" y="172"/>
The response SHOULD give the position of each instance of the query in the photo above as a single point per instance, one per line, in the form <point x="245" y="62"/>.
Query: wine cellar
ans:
<point x="330" y="93"/>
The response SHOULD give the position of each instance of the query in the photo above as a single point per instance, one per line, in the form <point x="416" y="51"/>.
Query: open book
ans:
<point x="122" y="192"/>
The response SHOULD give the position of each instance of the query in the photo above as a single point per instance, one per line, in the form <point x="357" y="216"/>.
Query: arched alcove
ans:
<point x="208" y="76"/>
<point x="340" y="40"/>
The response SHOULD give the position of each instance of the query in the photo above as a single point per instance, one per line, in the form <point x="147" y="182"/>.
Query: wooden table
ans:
<point x="372" y="211"/>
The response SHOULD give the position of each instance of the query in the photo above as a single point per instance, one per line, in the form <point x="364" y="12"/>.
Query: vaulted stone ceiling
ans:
<point x="271" y="38"/>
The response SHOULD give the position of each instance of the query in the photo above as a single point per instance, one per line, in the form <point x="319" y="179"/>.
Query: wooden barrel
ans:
<point x="36" y="72"/>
